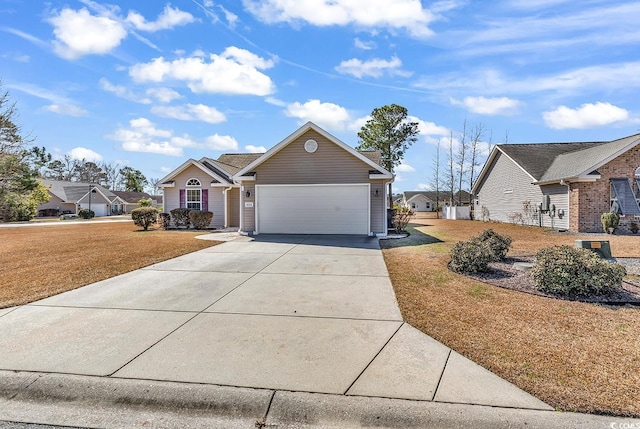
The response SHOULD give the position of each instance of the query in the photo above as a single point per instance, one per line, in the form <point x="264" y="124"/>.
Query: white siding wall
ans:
<point x="507" y="186"/>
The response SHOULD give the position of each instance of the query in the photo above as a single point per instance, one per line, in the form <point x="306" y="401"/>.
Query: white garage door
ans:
<point x="98" y="209"/>
<point x="312" y="209"/>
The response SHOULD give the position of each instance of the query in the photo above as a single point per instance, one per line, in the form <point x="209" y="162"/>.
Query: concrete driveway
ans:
<point x="284" y="313"/>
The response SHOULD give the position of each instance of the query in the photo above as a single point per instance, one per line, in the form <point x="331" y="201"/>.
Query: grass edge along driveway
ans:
<point x="574" y="356"/>
<point x="40" y="261"/>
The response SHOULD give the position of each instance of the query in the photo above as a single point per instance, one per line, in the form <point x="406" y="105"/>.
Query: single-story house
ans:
<point x="309" y="183"/>
<point x="418" y="201"/>
<point x="567" y="185"/>
<point x="425" y="201"/>
<point x="70" y="197"/>
<point x="132" y="200"/>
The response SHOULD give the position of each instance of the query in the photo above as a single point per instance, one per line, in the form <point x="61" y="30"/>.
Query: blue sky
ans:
<point x="150" y="84"/>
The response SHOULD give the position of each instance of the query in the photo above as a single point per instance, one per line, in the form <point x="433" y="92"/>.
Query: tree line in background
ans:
<point x="108" y="174"/>
<point x="22" y="165"/>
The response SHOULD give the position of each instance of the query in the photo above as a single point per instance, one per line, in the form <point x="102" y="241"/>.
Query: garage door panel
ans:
<point x="325" y="209"/>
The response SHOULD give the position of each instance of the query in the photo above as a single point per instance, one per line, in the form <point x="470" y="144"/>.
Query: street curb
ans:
<point x="88" y="401"/>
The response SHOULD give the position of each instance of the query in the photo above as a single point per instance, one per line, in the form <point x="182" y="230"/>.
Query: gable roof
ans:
<point x="553" y="162"/>
<point x="216" y="175"/>
<point x="300" y="131"/>
<point x="72" y="192"/>
<point x="131" y="197"/>
<point x="460" y="196"/>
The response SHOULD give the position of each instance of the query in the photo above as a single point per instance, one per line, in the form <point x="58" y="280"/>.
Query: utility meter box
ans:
<point x="601" y="247"/>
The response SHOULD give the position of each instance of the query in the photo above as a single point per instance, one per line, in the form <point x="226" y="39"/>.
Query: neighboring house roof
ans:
<point x="460" y="196"/>
<point x="73" y="192"/>
<point x="157" y="198"/>
<point x="377" y="168"/>
<point x="553" y="162"/>
<point x="131" y="197"/>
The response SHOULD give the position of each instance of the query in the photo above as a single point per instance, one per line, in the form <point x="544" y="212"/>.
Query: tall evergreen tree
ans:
<point x="20" y="188"/>
<point x="391" y="133"/>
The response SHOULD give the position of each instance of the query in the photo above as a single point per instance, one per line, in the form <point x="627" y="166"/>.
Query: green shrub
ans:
<point x="471" y="256"/>
<point x="165" y="220"/>
<point x="86" y="214"/>
<point x="145" y="202"/>
<point x="566" y="271"/>
<point x="498" y="243"/>
<point x="181" y="217"/>
<point x="401" y="218"/>
<point x="610" y="220"/>
<point x="474" y="254"/>
<point x="200" y="219"/>
<point x="144" y="216"/>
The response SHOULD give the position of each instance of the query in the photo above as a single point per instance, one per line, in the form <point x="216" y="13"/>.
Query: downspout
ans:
<point x="226" y="206"/>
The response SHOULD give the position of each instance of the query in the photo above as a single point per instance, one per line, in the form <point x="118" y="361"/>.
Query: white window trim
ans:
<point x="199" y="201"/>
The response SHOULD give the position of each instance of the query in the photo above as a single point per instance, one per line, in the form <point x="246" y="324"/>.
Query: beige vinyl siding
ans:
<point x="505" y="188"/>
<point x="233" y="207"/>
<point x="216" y="198"/>
<point x="248" y="213"/>
<point x="378" y="207"/>
<point x="329" y="164"/>
<point x="56" y="203"/>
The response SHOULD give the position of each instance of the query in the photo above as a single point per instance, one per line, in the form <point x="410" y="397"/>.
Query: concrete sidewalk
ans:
<point x="247" y="323"/>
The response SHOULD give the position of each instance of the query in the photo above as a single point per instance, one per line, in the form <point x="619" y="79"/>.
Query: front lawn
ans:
<point x="574" y="356"/>
<point x="40" y="261"/>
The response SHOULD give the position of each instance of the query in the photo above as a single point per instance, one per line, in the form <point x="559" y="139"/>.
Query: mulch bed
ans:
<point x="506" y="274"/>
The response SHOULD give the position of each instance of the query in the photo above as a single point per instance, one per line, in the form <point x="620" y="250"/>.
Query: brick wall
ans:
<point x="588" y="200"/>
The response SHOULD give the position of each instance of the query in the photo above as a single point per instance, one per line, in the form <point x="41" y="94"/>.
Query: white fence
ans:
<point x="456" y="212"/>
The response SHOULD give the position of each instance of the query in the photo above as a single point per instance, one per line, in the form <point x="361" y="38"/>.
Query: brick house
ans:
<point x="566" y="185"/>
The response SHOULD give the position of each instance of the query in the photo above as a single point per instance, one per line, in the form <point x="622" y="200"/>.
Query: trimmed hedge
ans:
<point x="181" y="217"/>
<point x="473" y="255"/>
<point x="86" y="214"/>
<point x="144" y="216"/>
<point x="165" y="220"/>
<point x="566" y="271"/>
<point x="200" y="219"/>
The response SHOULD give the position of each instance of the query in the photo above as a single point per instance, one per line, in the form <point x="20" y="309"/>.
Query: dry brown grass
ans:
<point x="40" y="261"/>
<point x="574" y="356"/>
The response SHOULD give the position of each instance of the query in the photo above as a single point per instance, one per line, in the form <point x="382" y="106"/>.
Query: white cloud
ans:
<point x="374" y="68"/>
<point x="424" y="186"/>
<point x="79" y="33"/>
<point x="86" y="154"/>
<point x="255" y="149"/>
<point x="169" y="18"/>
<point x="488" y="106"/>
<point x="122" y="92"/>
<point x="224" y="143"/>
<point x="356" y="125"/>
<point x="66" y="109"/>
<point x="163" y="95"/>
<point x="235" y="71"/>
<point x="392" y="14"/>
<point x="365" y="45"/>
<point x="326" y="115"/>
<point x="587" y="115"/>
<point x="190" y="112"/>
<point x="404" y="168"/>
<point x="142" y="135"/>
<point x="426" y="128"/>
